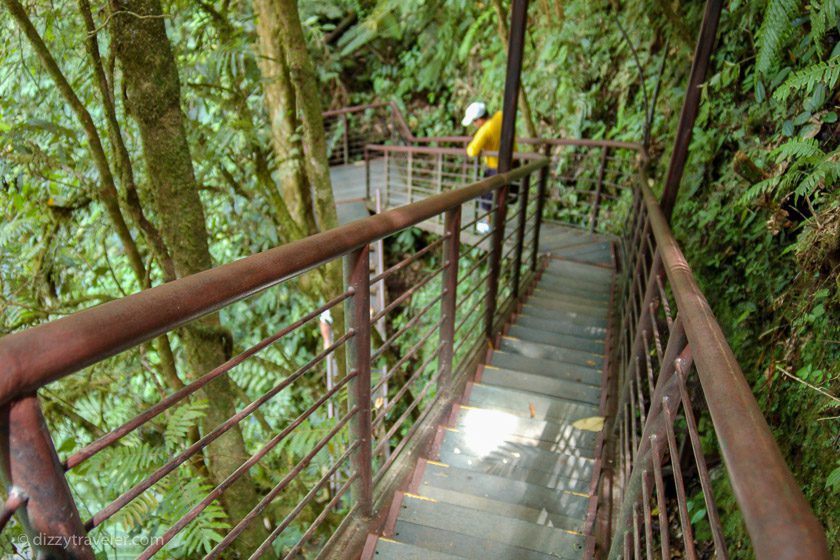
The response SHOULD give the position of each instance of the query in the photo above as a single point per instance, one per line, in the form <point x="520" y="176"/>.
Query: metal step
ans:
<point x="554" y="466"/>
<point x="539" y="351"/>
<point x="499" y="424"/>
<point x="528" y="404"/>
<point x="569" y="304"/>
<point x="549" y="368"/>
<point x="530" y="328"/>
<point x="586" y="316"/>
<point x="583" y="327"/>
<point x="541" y="384"/>
<point x="467" y="546"/>
<point x="512" y="532"/>
<point x="485" y="492"/>
<point x="387" y="549"/>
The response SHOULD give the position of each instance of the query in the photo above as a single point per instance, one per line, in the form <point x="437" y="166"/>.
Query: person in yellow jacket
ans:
<point x="487" y="138"/>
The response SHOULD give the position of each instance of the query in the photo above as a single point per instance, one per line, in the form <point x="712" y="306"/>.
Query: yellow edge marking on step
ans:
<point x="437" y="464"/>
<point x="417" y="497"/>
<point x="571" y="532"/>
<point x="509" y="337"/>
<point x="488" y="366"/>
<point x="467" y="407"/>
<point x="576" y="493"/>
<point x="389" y="540"/>
<point x="448" y="429"/>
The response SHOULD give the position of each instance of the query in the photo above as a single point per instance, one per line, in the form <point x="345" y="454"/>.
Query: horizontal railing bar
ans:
<point x="778" y="518"/>
<point x="409" y="293"/>
<point x="412" y="379"/>
<point x="268" y="498"/>
<point x="413" y="322"/>
<point x="217" y="432"/>
<point x="354" y="109"/>
<point x="166" y="403"/>
<point x="253" y="460"/>
<point x="37" y="356"/>
<point x="408" y="355"/>
<point x="315" y="524"/>
<point x="408" y="260"/>
<point x="584" y="142"/>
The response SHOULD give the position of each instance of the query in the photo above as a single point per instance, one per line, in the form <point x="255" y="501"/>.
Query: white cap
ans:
<point x="476" y="110"/>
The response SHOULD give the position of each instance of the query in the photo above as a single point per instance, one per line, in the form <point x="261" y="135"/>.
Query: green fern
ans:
<point x="823" y="16"/>
<point x="827" y="73"/>
<point x="775" y="31"/>
<point x="180" y="422"/>
<point x="798" y="148"/>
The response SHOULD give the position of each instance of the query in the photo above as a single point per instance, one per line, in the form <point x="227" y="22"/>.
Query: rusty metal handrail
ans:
<point x="667" y="330"/>
<point x="31" y="358"/>
<point x="584" y="142"/>
<point x="775" y="511"/>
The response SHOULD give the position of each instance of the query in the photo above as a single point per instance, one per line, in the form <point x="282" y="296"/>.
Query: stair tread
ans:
<point x="548" y="352"/>
<point x="476" y="490"/>
<point x="541" y="384"/>
<point x="518" y="462"/>
<point x="441" y="515"/>
<point x="466" y="546"/>
<point x="548" y="368"/>
<point x="526" y="403"/>
<point x="532" y="331"/>
<point x="500" y="423"/>
<point x="387" y="549"/>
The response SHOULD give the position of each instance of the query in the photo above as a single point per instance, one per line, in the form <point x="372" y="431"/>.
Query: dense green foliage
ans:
<point x="758" y="216"/>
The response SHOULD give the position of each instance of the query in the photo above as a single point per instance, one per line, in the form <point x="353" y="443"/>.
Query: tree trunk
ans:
<point x="279" y="94"/>
<point x="292" y="98"/>
<point x="152" y="85"/>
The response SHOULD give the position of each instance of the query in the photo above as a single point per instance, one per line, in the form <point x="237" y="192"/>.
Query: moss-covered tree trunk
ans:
<point x="293" y="103"/>
<point x="152" y="86"/>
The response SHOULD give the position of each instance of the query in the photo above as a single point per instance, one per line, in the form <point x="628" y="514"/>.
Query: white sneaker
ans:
<point x="482" y="227"/>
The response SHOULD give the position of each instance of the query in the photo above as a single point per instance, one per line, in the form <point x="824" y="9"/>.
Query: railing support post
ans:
<point x="409" y="168"/>
<point x="542" y="188"/>
<point x="516" y="45"/>
<point x="596" y="204"/>
<point x="520" y="233"/>
<point x="31" y="466"/>
<point x="679" y="155"/>
<point x="449" y="285"/>
<point x="346" y="138"/>
<point x="357" y="318"/>
<point x="367" y="174"/>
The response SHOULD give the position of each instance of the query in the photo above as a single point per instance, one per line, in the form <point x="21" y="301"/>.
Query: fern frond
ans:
<point x="827" y="172"/>
<point x="798" y="148"/>
<point x="774" y="32"/>
<point x="822" y="18"/>
<point x="826" y="72"/>
<point x="758" y="189"/>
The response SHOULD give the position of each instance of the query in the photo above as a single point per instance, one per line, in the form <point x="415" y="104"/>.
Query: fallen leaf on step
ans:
<point x="533" y="409"/>
<point x="378" y="402"/>
<point x="591" y="424"/>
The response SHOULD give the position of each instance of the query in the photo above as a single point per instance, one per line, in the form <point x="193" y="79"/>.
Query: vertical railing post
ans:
<point x="520" y="233"/>
<point x="449" y="285"/>
<point x="516" y="46"/>
<point x="542" y="188"/>
<point x="357" y="318"/>
<point x="439" y="173"/>
<point x="596" y="204"/>
<point x="691" y="104"/>
<point x="409" y="175"/>
<point x="367" y="174"/>
<point x="30" y="465"/>
<point x="346" y="139"/>
<point x="387" y="180"/>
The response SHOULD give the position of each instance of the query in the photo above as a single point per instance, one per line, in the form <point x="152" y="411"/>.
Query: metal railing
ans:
<point x="437" y="330"/>
<point x="349" y="129"/>
<point x="673" y="369"/>
<point x="590" y="181"/>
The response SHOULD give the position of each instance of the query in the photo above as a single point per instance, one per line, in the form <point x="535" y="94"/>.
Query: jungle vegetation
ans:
<point x="142" y="141"/>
